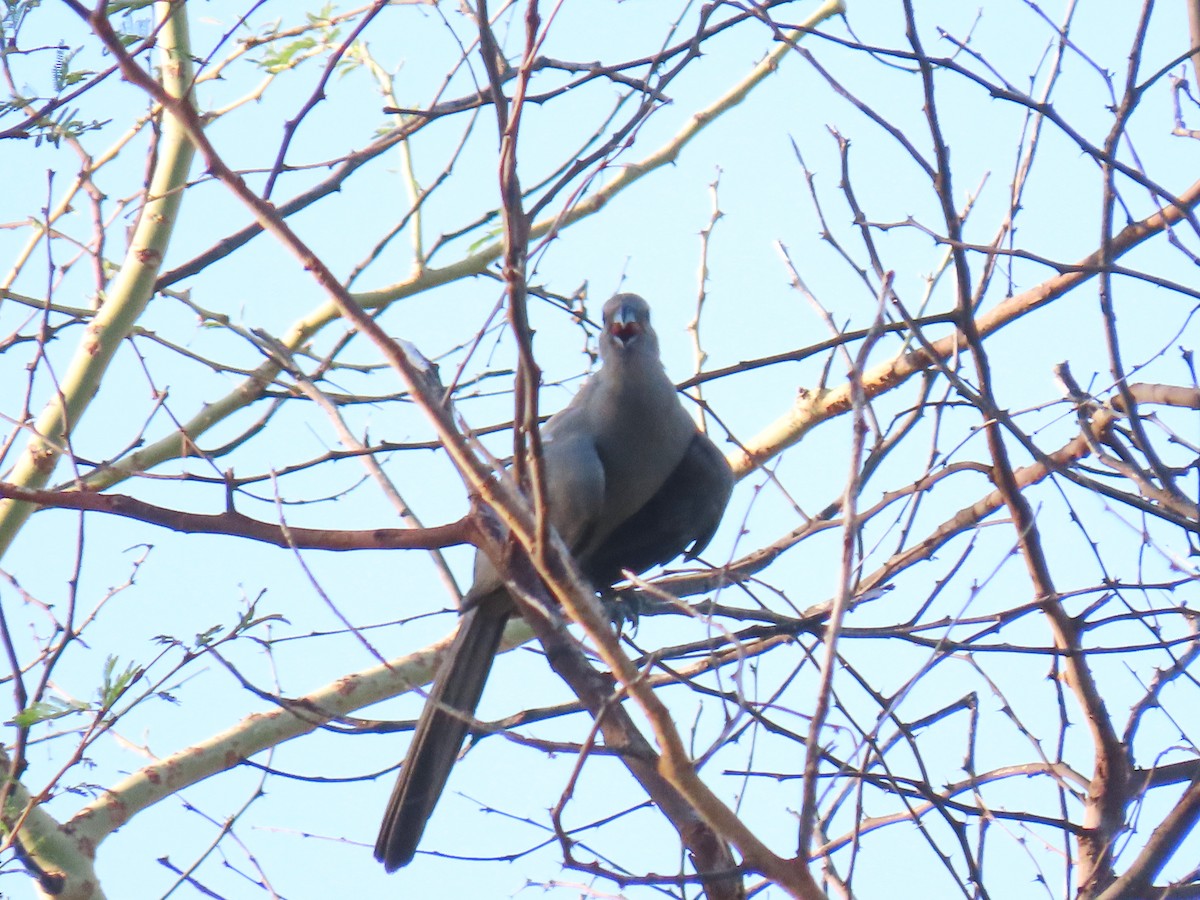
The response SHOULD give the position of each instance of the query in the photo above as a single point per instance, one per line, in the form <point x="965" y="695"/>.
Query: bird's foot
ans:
<point x="622" y="608"/>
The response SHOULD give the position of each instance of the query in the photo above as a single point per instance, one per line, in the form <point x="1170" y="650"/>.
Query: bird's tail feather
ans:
<point x="440" y="731"/>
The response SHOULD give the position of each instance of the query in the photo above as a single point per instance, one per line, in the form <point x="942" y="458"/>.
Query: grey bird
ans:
<point x="630" y="483"/>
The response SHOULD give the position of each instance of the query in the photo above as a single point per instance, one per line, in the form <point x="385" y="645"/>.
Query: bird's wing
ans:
<point x="681" y="516"/>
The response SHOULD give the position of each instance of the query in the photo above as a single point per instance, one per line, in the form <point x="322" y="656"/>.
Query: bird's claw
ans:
<point x="622" y="608"/>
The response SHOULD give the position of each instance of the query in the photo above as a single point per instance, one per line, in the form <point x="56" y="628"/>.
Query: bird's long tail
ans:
<point x="441" y="729"/>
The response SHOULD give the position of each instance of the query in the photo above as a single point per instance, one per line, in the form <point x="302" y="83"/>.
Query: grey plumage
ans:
<point x="630" y="483"/>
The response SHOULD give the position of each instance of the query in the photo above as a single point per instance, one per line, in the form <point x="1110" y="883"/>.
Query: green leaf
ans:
<point x="204" y="638"/>
<point x="45" y="711"/>
<point x="116" y="683"/>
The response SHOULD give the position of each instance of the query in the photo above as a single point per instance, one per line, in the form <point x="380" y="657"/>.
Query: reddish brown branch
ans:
<point x="1177" y="825"/>
<point x="234" y="524"/>
<point x="1105" y="803"/>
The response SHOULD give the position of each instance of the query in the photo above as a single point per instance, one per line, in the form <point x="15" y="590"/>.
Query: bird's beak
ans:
<point x="625" y="325"/>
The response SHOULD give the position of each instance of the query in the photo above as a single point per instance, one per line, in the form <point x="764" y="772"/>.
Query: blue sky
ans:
<point x="314" y="838"/>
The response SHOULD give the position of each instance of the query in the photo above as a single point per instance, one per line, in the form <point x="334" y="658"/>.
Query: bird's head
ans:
<point x="627" y="327"/>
